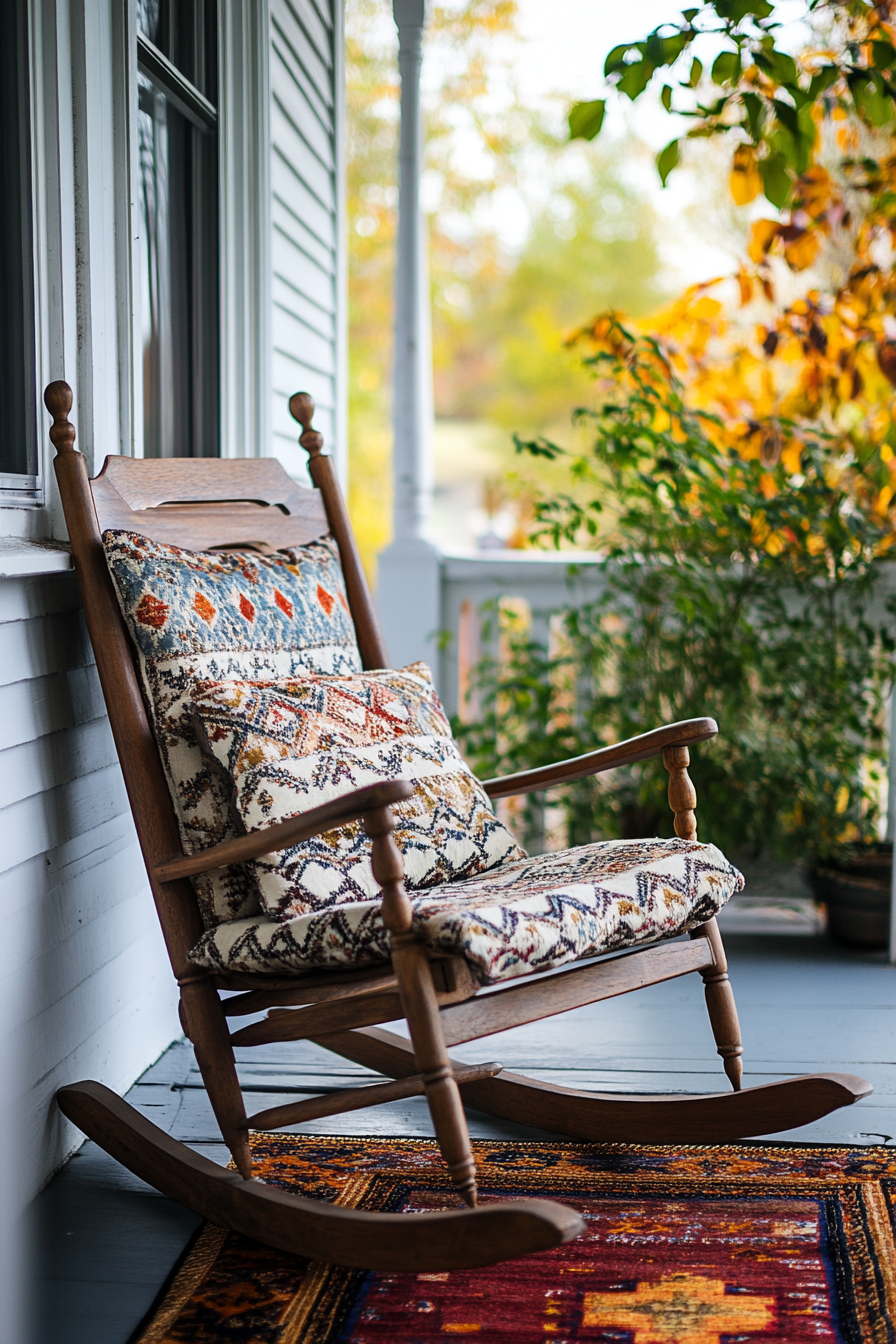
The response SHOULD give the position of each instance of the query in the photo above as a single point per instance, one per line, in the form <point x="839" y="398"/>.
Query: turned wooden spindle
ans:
<point x="323" y="474"/>
<point x="421" y="1008"/>
<point x="682" y="794"/>
<point x="58" y="399"/>
<point x="720" y="1005"/>
<point x="301" y="408"/>
<point x="388" y="870"/>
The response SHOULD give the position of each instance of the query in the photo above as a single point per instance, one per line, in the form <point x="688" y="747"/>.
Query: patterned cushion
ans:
<point x="293" y="744"/>
<point x="528" y="916"/>
<point x="199" y="616"/>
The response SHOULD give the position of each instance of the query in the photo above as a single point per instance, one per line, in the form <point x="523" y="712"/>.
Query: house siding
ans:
<point x="87" y="992"/>
<point x="305" y="211"/>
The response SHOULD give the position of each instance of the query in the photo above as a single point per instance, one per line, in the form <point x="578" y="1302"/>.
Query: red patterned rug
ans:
<point x="684" y="1245"/>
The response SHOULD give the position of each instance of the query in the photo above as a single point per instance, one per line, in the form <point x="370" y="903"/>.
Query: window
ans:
<point x="177" y="61"/>
<point x="19" y="481"/>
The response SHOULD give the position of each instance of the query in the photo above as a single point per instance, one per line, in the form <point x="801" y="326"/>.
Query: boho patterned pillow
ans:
<point x="293" y="744"/>
<point x="198" y="617"/>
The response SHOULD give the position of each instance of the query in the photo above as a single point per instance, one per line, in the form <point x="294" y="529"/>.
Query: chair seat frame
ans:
<point x="253" y="504"/>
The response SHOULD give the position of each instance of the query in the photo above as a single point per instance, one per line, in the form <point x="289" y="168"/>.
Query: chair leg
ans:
<point x="418" y="997"/>
<point x="720" y="1004"/>
<point x="203" y="1018"/>
<point x="421" y="1008"/>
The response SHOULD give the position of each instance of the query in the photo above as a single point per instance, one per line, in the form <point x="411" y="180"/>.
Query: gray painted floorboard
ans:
<point x="105" y="1243"/>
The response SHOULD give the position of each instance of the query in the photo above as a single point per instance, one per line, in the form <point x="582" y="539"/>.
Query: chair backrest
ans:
<point x="199" y="504"/>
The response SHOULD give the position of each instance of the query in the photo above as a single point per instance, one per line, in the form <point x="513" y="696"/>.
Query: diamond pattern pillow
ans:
<point x="197" y="617"/>
<point x="292" y="744"/>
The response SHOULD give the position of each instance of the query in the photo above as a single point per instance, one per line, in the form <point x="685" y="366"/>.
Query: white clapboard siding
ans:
<point x="86" y="991"/>
<point x="304" y="214"/>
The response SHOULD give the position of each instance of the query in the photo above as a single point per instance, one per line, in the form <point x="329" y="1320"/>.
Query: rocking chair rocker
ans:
<point x="252" y="505"/>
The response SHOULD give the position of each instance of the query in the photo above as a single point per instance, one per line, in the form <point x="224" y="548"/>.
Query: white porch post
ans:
<point x="408" y="583"/>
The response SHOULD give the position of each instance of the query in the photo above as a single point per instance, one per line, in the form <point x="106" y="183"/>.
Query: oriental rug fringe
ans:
<point x="685" y="1245"/>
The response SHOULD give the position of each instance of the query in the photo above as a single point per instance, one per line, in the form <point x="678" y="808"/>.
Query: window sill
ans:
<point x="21" y="557"/>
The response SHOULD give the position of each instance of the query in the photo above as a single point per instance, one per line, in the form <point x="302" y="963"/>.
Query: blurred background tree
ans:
<point x="501" y="311"/>
<point x="743" y="437"/>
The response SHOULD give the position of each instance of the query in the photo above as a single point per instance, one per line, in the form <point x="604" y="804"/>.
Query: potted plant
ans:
<point x="854" y="885"/>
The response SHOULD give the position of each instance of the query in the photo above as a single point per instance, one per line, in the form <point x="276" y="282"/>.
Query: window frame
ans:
<point x="25" y="490"/>
<point x="193" y="328"/>
<point x="244" y="237"/>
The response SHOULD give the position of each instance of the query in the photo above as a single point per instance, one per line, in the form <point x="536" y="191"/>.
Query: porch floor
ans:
<point x="104" y="1243"/>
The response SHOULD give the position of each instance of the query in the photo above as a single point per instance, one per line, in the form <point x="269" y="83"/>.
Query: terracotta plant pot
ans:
<point x="855" y="887"/>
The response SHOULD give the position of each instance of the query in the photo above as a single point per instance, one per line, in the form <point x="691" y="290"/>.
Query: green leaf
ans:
<point x="666" y="50"/>
<point x="755" y="110"/>
<point x="869" y="93"/>
<point x="666" y="160"/>
<point x="635" y="78"/>
<point x="666" y="97"/>
<point x="696" y="73"/>
<point x="616" y="59"/>
<point x="689" y="15"/>
<point x="883" y="55"/>
<point x="777" y="65"/>
<point x="726" y="67"/>
<point x="586" y="119"/>
<point x="822" y="80"/>
<point x="787" y="116"/>
<point x="735" y="11"/>
<point x="539" y="447"/>
<point x="776" y="180"/>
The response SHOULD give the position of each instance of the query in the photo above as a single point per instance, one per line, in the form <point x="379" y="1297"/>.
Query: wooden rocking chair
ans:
<point x="246" y="504"/>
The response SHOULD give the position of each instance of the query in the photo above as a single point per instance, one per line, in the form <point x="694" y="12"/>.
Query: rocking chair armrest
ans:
<point x="684" y="734"/>
<point x="269" y="839"/>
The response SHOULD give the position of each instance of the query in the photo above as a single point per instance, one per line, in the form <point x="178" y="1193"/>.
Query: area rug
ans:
<point x="684" y="1245"/>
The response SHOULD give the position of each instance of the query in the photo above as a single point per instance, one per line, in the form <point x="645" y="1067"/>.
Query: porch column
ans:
<point x="409" y="569"/>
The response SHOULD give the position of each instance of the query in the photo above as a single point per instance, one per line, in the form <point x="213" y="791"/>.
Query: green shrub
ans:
<point x="739" y="584"/>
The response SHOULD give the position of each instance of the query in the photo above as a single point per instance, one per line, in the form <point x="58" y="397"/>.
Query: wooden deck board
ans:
<point x="105" y="1243"/>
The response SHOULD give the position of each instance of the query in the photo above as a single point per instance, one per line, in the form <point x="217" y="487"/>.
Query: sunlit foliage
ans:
<point x="741" y="465"/>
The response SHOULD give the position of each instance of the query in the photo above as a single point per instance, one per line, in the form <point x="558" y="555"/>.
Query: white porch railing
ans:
<point x="547" y="583"/>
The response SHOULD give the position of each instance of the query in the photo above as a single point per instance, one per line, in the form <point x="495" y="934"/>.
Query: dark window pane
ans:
<point x="18" y="431"/>
<point x="186" y="31"/>
<point x="178" y="266"/>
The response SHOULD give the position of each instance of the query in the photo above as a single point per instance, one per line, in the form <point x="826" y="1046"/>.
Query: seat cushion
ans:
<point x="531" y="915"/>
<point x="200" y="616"/>
<point x="295" y="743"/>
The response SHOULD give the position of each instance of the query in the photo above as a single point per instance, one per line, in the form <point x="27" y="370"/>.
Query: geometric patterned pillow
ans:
<point x="198" y="617"/>
<point x="295" y="743"/>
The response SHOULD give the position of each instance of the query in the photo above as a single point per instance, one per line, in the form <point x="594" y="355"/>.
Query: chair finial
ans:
<point x="58" y="401"/>
<point x="301" y="408"/>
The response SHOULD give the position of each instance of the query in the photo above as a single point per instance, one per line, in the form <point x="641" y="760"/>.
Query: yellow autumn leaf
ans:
<point x="774" y="544"/>
<point x="801" y="252"/>
<point x="841" y="802"/>
<point x="844" y="386"/>
<point x="759" y="527"/>
<point x="886" y="453"/>
<point x="768" y="485"/>
<point x="705" y="309"/>
<point x="882" y="502"/>
<point x="814" y="189"/>
<point x="744" y="180"/>
<point x="762" y="234"/>
<point x="791" y="457"/>
<point x="815" y="544"/>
